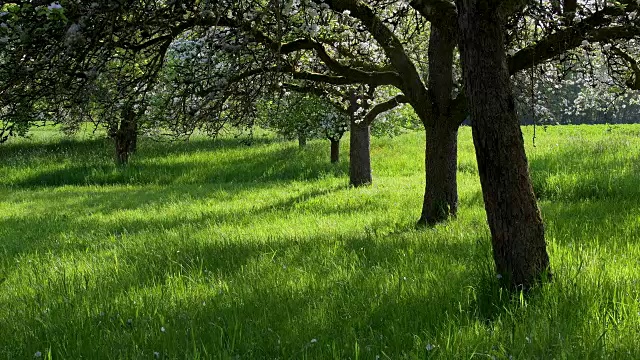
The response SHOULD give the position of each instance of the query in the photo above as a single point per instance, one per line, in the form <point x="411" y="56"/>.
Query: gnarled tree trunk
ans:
<point x="517" y="230"/>
<point x="335" y="150"/>
<point x="359" y="154"/>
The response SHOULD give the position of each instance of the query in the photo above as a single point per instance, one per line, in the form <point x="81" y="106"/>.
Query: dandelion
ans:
<point x="499" y="276"/>
<point x="429" y="347"/>
<point x="346" y="12"/>
<point x="37" y="354"/>
<point x="162" y="329"/>
<point x="313" y="341"/>
<point x="54" y="6"/>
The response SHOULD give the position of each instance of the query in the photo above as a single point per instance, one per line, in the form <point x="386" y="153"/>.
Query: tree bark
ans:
<point x="335" y="151"/>
<point x="359" y="155"/>
<point x="441" y="164"/>
<point x="441" y="148"/>
<point x="125" y="136"/>
<point x="517" y="231"/>
<point x="302" y="140"/>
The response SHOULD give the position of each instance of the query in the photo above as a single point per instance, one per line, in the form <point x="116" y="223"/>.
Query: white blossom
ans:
<point x="54" y="6"/>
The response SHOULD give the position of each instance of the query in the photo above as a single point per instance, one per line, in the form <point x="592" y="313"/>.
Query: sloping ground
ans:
<point x="212" y="249"/>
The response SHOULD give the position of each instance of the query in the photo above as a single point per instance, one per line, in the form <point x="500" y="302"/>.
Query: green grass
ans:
<point x="264" y="252"/>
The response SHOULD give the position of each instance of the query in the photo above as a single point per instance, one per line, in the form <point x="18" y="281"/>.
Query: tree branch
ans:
<point x="589" y="28"/>
<point x="384" y="107"/>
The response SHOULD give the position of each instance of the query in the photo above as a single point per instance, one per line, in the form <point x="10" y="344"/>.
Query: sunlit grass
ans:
<point x="215" y="249"/>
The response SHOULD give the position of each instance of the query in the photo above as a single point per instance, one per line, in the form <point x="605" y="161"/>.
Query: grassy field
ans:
<point x="213" y="249"/>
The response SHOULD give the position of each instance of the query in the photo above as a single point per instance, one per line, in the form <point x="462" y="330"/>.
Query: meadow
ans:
<point x="215" y="249"/>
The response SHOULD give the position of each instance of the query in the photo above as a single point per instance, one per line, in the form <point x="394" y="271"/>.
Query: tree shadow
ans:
<point x="217" y="166"/>
<point x="274" y="310"/>
<point x="42" y="233"/>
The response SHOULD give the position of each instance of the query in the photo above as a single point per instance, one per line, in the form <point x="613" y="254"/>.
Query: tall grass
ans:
<point x="215" y="249"/>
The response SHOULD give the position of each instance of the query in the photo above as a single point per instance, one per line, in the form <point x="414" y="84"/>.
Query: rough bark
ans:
<point x="513" y="215"/>
<point x="335" y="151"/>
<point x="441" y="165"/>
<point x="125" y="137"/>
<point x="359" y="154"/>
<point x="302" y="140"/>
<point x="441" y="148"/>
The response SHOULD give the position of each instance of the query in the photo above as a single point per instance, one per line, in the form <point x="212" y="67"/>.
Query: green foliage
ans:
<point x="293" y="114"/>
<point x="264" y="252"/>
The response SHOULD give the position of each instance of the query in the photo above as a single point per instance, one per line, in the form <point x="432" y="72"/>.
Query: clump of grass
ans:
<point x="213" y="249"/>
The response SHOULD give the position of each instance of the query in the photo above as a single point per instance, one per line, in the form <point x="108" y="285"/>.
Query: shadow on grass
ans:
<point x="90" y="167"/>
<point x="259" y="312"/>
<point x="44" y="233"/>
<point x="103" y="147"/>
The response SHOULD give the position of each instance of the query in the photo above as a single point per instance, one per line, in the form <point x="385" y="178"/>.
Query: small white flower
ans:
<point x="313" y="341"/>
<point x="429" y="347"/>
<point x="162" y="329"/>
<point x="606" y="47"/>
<point x="37" y="354"/>
<point x="346" y="12"/>
<point x="54" y="6"/>
<point x="499" y="276"/>
<point x="511" y="52"/>
<point x="585" y="42"/>
<point x="156" y="354"/>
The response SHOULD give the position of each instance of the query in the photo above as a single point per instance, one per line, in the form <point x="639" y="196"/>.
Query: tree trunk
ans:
<point x="441" y="148"/>
<point x="302" y="140"/>
<point x="126" y="137"/>
<point x="335" y="151"/>
<point x="441" y="164"/>
<point x="517" y="231"/>
<point x="359" y="155"/>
